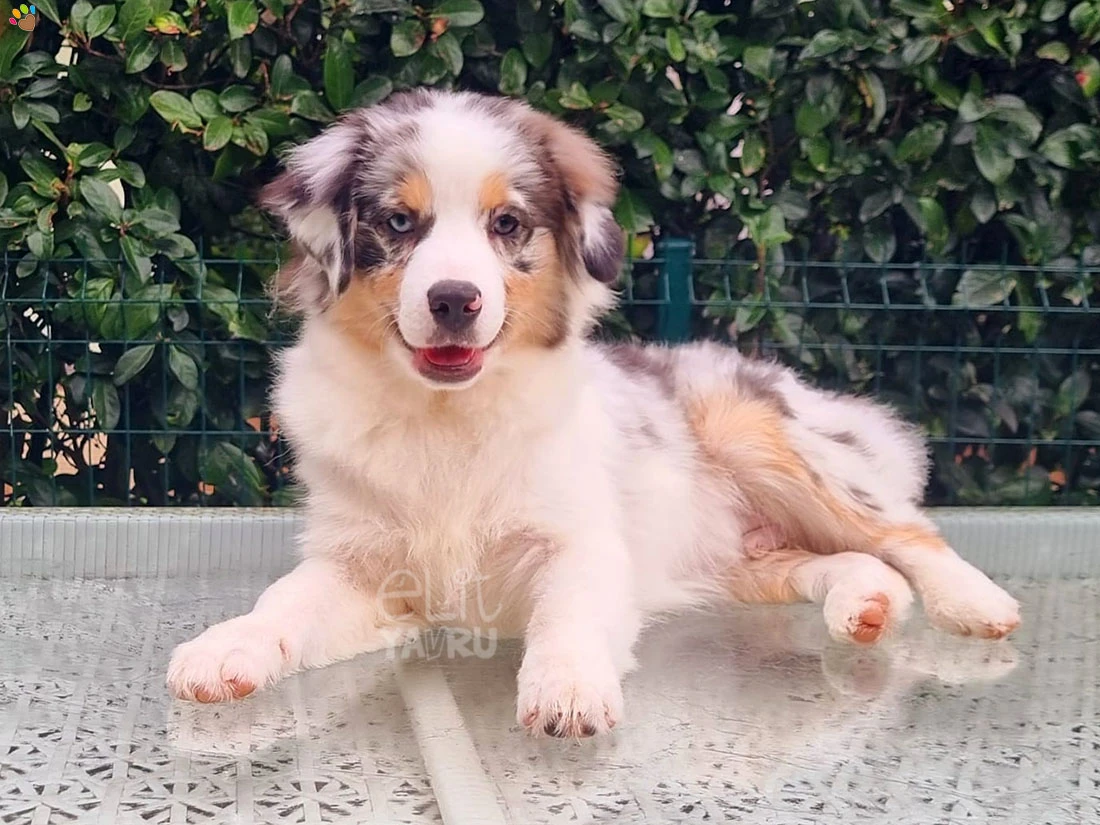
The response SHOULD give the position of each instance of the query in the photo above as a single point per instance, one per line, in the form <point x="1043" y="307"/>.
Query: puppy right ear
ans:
<point x="315" y="199"/>
<point x="588" y="176"/>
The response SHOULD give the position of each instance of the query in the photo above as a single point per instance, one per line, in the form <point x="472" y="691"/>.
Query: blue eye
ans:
<point x="400" y="222"/>
<point x="505" y="224"/>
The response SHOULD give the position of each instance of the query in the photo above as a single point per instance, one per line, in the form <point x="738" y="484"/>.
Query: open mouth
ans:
<point x="450" y="364"/>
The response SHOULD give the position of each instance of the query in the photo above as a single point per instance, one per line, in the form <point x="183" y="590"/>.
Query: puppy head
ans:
<point x="443" y="229"/>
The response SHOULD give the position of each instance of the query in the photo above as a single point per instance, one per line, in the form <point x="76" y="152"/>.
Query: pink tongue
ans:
<point x="449" y="356"/>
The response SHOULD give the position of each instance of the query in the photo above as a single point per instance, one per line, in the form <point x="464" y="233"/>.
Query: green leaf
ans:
<point x="1055" y="50"/>
<point x="448" y="49"/>
<point x="133" y="17"/>
<point x="309" y="106"/>
<point x="373" y="89"/>
<point x="240" y="57"/>
<point x="99" y="196"/>
<point x="768" y="228"/>
<point x="105" y="404"/>
<point x="81" y="102"/>
<point x="78" y="16"/>
<point x="513" y="73"/>
<point x="983" y="205"/>
<point x="919" y="50"/>
<point x="175" y="108"/>
<point x="131" y="173"/>
<point x="283" y="79"/>
<point x="576" y="97"/>
<point x="758" y="61"/>
<point x="11" y="44"/>
<point x="94" y="155"/>
<point x="407" y="37"/>
<point x="879" y="240"/>
<point x="1089" y="423"/>
<point x="661" y="8"/>
<point x="752" y="153"/>
<point x="231" y="472"/>
<point x="140" y="264"/>
<point x="675" y="44"/>
<point x="617" y="10"/>
<point x="825" y="42"/>
<point x="632" y="213"/>
<point x="40" y="172"/>
<point x="242" y="18"/>
<point x="206" y="104"/>
<point x="625" y="118"/>
<point x="1052" y="10"/>
<point x="339" y="75"/>
<point x="1072" y="393"/>
<point x="922" y="142"/>
<point x="1083" y="16"/>
<point x="49" y="8"/>
<point x="42" y="111"/>
<point x="158" y="221"/>
<point x="460" y="13"/>
<point x="537" y="48"/>
<point x="934" y="221"/>
<point x="217" y="134"/>
<point x="237" y="99"/>
<point x="874" y="94"/>
<point x="1087" y="69"/>
<point x="983" y="287"/>
<point x="876" y="204"/>
<point x="183" y="367"/>
<point x="132" y="362"/>
<point x="995" y="164"/>
<point x="173" y="56"/>
<point x="252" y="137"/>
<point x="811" y="118"/>
<point x="100" y="20"/>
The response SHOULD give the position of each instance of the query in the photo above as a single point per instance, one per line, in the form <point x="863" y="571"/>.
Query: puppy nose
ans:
<point x="454" y="304"/>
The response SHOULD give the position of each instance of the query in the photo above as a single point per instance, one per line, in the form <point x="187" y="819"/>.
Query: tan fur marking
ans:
<point x="767" y="580"/>
<point x="416" y="193"/>
<point x="744" y="441"/>
<point x="535" y="300"/>
<point x="493" y="193"/>
<point x="364" y="312"/>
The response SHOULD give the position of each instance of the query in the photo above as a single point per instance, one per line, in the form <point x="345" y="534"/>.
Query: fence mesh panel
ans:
<point x="125" y="388"/>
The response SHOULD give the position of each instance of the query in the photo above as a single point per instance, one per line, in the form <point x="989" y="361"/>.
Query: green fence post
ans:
<point x="674" y="316"/>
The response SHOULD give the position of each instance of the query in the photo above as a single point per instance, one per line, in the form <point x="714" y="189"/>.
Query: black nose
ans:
<point x="454" y="304"/>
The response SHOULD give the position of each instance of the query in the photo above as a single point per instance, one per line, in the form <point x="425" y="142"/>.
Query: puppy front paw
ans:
<point x="227" y="661"/>
<point x="567" y="697"/>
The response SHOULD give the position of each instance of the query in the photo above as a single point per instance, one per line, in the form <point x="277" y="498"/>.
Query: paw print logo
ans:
<point x="24" y="17"/>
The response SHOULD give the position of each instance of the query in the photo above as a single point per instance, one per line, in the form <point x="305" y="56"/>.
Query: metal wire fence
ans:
<point x="125" y="388"/>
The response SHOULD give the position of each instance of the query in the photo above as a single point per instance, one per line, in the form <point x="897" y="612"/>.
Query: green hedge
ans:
<point x="846" y="126"/>
<point x="767" y="130"/>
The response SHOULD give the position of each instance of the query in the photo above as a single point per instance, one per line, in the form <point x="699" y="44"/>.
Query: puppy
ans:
<point x="470" y="459"/>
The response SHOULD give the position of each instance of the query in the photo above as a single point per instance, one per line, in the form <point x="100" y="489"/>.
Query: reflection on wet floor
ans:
<point x="749" y="716"/>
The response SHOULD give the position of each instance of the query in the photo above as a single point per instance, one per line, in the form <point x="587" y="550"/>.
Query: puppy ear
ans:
<point x="588" y="176"/>
<point x="314" y="198"/>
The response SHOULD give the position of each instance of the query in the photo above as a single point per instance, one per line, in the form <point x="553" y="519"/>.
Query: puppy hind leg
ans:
<point x="745" y="441"/>
<point x="862" y="598"/>
<point x="957" y="596"/>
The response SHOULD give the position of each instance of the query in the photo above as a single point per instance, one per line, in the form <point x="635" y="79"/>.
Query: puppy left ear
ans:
<point x="313" y="198"/>
<point x="590" y="183"/>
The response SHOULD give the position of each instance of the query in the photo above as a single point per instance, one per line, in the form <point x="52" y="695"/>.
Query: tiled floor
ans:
<point x="749" y="716"/>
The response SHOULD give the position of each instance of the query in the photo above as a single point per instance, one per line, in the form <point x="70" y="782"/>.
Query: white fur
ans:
<point x="561" y="497"/>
